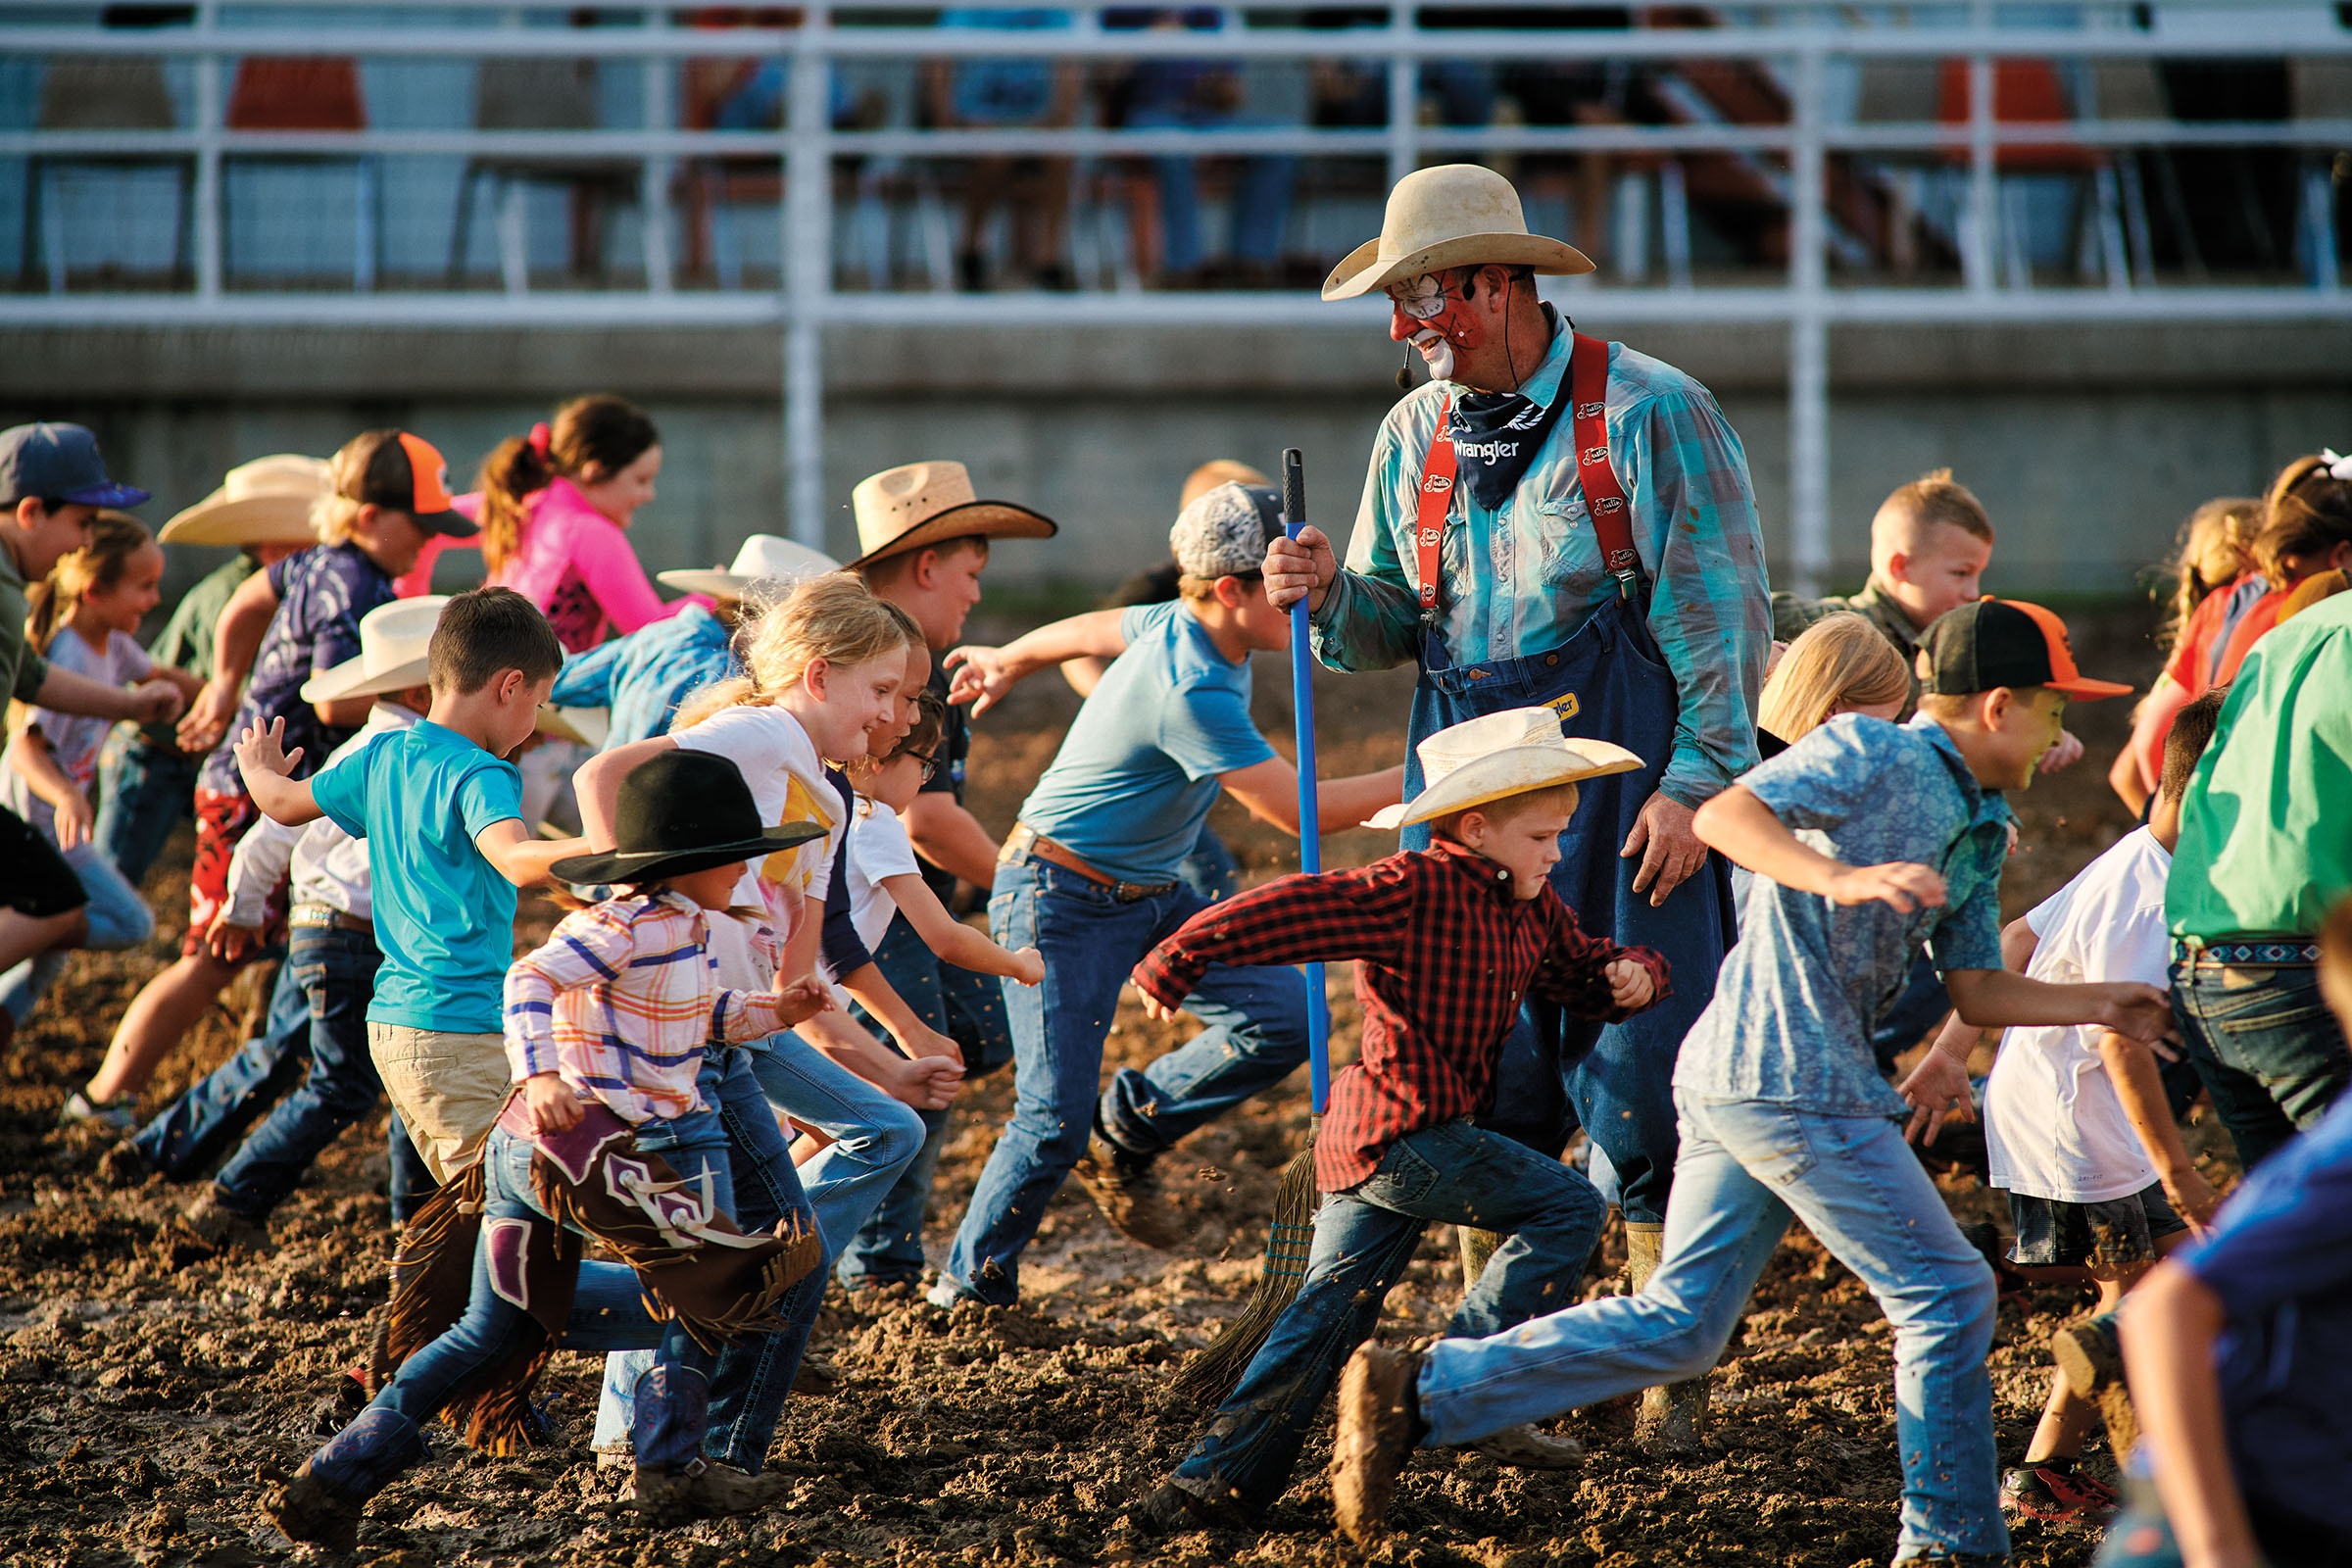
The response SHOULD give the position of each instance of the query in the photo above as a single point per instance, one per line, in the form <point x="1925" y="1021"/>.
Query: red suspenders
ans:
<point x="1605" y="496"/>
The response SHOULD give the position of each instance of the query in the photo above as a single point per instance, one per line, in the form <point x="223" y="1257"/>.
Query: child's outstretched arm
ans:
<point x="950" y="939"/>
<point x="151" y="702"/>
<point x="269" y="773"/>
<point x="2132" y="1068"/>
<point x="520" y="857"/>
<point x="1269" y="791"/>
<point x="927" y="1082"/>
<point x="2169" y="1337"/>
<point x="1996" y="999"/>
<point x="981" y="675"/>
<point x="1330" y="917"/>
<point x="1743" y="827"/>
<point x="881" y="999"/>
<point x="1937" y="1085"/>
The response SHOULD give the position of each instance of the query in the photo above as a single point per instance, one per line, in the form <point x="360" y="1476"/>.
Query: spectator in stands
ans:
<point x="973" y="94"/>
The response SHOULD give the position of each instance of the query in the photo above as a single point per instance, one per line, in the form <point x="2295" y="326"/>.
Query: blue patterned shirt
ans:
<point x="1522" y="580"/>
<point x="1798" y="994"/>
<point x="645" y="677"/>
<point x="322" y="596"/>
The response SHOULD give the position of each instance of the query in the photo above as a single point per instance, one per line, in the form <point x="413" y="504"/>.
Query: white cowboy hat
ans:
<point x="764" y="565"/>
<point x="923" y="503"/>
<point x="265" y="502"/>
<point x="1495" y="755"/>
<point x="587" y="726"/>
<point x="1455" y="214"/>
<point x="394" y="641"/>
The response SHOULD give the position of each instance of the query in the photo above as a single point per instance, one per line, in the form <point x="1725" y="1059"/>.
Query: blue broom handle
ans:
<point x="1310" y="827"/>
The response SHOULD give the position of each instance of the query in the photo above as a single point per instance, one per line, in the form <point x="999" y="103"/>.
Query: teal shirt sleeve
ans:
<point x="1370" y="618"/>
<point x="1970" y="937"/>
<point x="1695" y="528"/>
<point x="488" y="796"/>
<point x="340" y="790"/>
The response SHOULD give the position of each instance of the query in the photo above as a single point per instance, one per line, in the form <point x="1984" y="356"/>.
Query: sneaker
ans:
<point x="703" y="1491"/>
<point x="2090" y="1357"/>
<point x="946" y="1295"/>
<point x="1126" y="1189"/>
<point x="2052" y="1490"/>
<point x="1527" y="1446"/>
<point x="218" y="1225"/>
<point x="122" y="1112"/>
<point x="1374" y="1440"/>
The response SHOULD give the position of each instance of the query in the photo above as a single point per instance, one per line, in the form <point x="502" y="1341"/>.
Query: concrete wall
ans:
<point x="2088" y="446"/>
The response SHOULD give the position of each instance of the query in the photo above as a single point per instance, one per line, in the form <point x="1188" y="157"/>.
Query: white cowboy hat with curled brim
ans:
<point x="395" y="642"/>
<point x="583" y="727"/>
<point x="1486" y="759"/>
<point x="918" y="505"/>
<point x="265" y="502"/>
<point x="766" y="566"/>
<point x="1455" y="214"/>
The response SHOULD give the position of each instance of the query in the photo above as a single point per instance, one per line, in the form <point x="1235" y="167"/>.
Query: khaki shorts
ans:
<point x="448" y="1089"/>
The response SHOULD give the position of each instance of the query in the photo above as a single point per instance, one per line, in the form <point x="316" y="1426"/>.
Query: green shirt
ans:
<point x="22" y="670"/>
<point x="2266" y="839"/>
<point x="186" y="640"/>
<point x="1791" y="616"/>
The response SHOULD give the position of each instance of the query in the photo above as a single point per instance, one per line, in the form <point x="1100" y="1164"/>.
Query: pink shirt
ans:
<point x="574" y="563"/>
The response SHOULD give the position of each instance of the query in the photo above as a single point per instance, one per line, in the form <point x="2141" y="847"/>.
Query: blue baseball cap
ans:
<point x="58" y="462"/>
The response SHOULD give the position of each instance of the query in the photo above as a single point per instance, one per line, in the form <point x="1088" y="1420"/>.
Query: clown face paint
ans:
<point x="1430" y="319"/>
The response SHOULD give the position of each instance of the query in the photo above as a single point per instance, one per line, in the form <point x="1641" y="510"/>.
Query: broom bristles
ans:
<point x="1217" y="1366"/>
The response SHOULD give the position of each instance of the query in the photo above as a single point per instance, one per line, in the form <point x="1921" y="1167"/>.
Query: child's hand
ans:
<point x="1630" y="984"/>
<point x="230" y="942"/>
<point x="927" y="1082"/>
<point x="979" y="676"/>
<point x="2193" y="1197"/>
<point x="157" y="702"/>
<point x="926" y="1044"/>
<point x="802" y="1000"/>
<point x="207" y="718"/>
<point x="554" y="1107"/>
<point x="75" y="820"/>
<point x="1155" y="1010"/>
<point x="1029" y="966"/>
<point x="264" y="751"/>
<point x="1897" y="884"/>
<point x="2065" y="754"/>
<point x="1938" y="1090"/>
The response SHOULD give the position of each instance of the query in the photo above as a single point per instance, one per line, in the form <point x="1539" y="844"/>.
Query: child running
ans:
<point x="1867" y="840"/>
<point x="1447" y="940"/>
<point x="608" y="1136"/>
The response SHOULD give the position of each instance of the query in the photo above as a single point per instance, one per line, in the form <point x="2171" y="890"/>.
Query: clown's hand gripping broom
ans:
<point x="1213" y="1372"/>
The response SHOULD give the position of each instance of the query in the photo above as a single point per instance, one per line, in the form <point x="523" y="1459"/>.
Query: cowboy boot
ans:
<point x="328" y="1495"/>
<point x="1672" y="1419"/>
<point x="670" y="1411"/>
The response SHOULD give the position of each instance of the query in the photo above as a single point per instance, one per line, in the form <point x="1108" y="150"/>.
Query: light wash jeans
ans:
<point x="1745" y="1168"/>
<point x="119" y="918"/>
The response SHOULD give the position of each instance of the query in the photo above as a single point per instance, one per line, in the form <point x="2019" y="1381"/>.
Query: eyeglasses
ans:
<point x="929" y="760"/>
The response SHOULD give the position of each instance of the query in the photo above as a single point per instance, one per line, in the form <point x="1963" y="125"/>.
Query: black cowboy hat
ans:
<point x="683" y="812"/>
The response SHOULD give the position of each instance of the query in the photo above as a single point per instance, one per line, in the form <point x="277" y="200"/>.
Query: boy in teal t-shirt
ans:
<point x="442" y="813"/>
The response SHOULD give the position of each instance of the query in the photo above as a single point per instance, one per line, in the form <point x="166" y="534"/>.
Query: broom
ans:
<point x="1216" y="1368"/>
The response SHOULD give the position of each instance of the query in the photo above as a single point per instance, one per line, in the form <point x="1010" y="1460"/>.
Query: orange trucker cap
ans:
<point x="408" y="473"/>
<point x="2005" y="642"/>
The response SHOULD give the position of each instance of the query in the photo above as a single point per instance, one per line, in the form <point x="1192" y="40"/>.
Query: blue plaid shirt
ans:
<point x="1800" y="993"/>
<point x="645" y="677"/>
<point x="1522" y="580"/>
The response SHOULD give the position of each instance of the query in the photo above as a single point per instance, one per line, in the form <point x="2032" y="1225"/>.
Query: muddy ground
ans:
<point x="147" y="1384"/>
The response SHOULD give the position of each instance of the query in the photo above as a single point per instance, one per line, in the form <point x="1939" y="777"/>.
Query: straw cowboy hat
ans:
<point x="923" y="504"/>
<point x="764" y="565"/>
<point x="681" y="811"/>
<point x="1455" y="214"/>
<point x="394" y="641"/>
<point x="265" y="502"/>
<point x="1495" y="755"/>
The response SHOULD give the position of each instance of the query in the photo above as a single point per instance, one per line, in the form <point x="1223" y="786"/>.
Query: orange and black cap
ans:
<point x="2005" y="642"/>
<point x="406" y="474"/>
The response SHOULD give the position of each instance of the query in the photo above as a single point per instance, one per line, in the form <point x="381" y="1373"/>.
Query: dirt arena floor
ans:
<point x="149" y="1385"/>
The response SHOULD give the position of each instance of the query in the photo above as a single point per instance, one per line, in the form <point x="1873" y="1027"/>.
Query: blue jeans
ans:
<point x="1365" y="1237"/>
<point x="1261" y="191"/>
<point x="201" y="1125"/>
<point x="365" y="1456"/>
<point x="1257" y="1035"/>
<point x="150" y="790"/>
<point x="968" y="1008"/>
<point x="875" y="1137"/>
<point x="119" y="918"/>
<point x="1744" y="1168"/>
<point x="2271" y="1053"/>
<point x="751" y="1378"/>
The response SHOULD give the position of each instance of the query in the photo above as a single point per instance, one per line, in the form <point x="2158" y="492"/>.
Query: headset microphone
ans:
<point x="1405" y="371"/>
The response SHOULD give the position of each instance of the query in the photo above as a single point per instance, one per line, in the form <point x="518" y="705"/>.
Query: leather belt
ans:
<point x="2273" y="953"/>
<point x="326" y="917"/>
<point x="1026" y="843"/>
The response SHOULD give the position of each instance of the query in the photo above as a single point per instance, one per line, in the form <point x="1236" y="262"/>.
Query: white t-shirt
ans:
<point x="2053" y="1124"/>
<point x="74" y="739"/>
<point x="879" y="850"/>
<point x="788" y="784"/>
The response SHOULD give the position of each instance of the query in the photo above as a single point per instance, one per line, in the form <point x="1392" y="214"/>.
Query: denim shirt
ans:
<point x="646" y="676"/>
<point x="1799" y="995"/>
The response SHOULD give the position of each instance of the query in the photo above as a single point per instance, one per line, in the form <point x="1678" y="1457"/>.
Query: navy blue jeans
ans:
<point x="1365" y="1237"/>
<point x="2271" y="1053"/>
<point x="149" y="791"/>
<point x="968" y="1008"/>
<point x="194" y="1131"/>
<point x="1257" y="1035"/>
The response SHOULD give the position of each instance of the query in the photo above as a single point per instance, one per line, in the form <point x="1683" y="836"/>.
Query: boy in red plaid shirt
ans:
<point x="1448" y="943"/>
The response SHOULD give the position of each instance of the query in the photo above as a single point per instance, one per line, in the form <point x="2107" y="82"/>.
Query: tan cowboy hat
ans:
<point x="585" y="726"/>
<point x="1495" y="755"/>
<point x="923" y="504"/>
<point x="765" y="565"/>
<point x="265" y="502"/>
<point x="1455" y="214"/>
<point x="394" y="641"/>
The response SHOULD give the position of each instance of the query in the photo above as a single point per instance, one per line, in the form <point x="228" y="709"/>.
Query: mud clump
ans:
<point x="151" y="1386"/>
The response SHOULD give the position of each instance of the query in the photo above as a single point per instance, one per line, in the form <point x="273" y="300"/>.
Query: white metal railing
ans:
<point x="1799" y="43"/>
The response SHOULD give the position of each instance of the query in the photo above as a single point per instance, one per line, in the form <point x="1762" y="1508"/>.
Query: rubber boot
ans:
<point x="1478" y="1247"/>
<point x="1673" y="1418"/>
